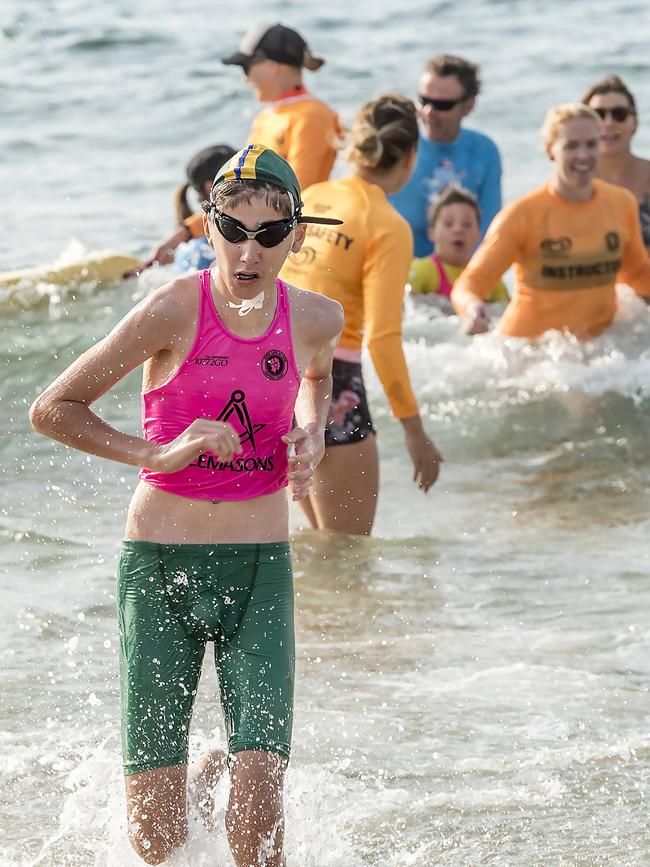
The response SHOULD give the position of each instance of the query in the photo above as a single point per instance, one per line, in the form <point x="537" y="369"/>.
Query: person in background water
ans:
<point x="364" y="266"/>
<point x="297" y="125"/>
<point x="187" y="244"/>
<point x="454" y="229"/>
<point x="237" y="383"/>
<point x="449" y="153"/>
<point x="615" y="105"/>
<point x="570" y="241"/>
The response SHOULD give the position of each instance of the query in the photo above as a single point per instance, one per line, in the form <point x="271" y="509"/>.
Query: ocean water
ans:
<point x="473" y="680"/>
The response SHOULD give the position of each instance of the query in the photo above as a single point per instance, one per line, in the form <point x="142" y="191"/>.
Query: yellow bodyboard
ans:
<point x="103" y="266"/>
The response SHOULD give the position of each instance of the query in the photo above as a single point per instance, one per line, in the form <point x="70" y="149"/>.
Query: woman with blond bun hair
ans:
<point x="570" y="241"/>
<point x="364" y="265"/>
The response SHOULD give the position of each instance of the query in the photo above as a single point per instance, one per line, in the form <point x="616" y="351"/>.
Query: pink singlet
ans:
<point x="445" y="286"/>
<point x="250" y="383"/>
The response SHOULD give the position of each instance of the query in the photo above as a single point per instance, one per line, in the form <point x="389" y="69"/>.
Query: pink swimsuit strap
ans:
<point x="445" y="285"/>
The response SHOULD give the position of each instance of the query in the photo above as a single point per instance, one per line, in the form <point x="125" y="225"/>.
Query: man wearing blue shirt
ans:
<point x="447" y="153"/>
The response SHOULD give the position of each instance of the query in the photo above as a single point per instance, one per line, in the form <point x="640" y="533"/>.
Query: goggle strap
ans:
<point x="325" y="221"/>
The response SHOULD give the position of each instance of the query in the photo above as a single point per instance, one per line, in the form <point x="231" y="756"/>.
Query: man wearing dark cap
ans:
<point x="297" y="125"/>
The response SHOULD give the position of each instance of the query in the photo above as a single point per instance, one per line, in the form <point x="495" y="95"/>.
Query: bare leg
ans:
<point x="157" y="812"/>
<point x="202" y="778"/>
<point x="345" y="488"/>
<point x="255" y="820"/>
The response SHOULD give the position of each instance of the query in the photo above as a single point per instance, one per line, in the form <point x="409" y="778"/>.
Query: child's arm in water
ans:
<point x="163" y="253"/>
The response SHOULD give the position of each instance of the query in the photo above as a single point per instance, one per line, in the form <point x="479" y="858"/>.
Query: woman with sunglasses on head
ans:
<point x="231" y="356"/>
<point x="615" y="105"/>
<point x="570" y="242"/>
<point x="364" y="265"/>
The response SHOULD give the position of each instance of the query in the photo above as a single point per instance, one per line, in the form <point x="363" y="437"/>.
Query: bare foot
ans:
<point x="202" y="778"/>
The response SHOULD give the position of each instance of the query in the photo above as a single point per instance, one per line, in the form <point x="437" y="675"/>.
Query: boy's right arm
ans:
<point x="63" y="412"/>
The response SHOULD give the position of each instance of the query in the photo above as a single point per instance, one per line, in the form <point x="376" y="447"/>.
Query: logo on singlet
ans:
<point x="237" y="405"/>
<point x="212" y="360"/>
<point x="613" y="241"/>
<point x="274" y="364"/>
<point x="556" y="246"/>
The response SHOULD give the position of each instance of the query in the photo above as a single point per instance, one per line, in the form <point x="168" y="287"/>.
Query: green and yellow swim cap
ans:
<point x="256" y="162"/>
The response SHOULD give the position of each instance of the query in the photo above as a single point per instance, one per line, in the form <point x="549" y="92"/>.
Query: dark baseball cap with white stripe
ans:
<point x="274" y="42"/>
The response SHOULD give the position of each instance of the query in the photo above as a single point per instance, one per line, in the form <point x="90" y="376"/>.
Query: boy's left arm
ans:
<point x="312" y="407"/>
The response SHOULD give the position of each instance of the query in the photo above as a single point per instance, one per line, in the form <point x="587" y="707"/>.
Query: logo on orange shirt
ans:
<point x="556" y="246"/>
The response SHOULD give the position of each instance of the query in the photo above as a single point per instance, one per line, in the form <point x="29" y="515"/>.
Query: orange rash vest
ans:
<point x="303" y="130"/>
<point x="363" y="264"/>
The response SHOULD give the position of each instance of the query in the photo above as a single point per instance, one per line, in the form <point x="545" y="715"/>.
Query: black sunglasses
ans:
<point x="441" y="104"/>
<point x="251" y="61"/>
<point x="268" y="235"/>
<point x="619" y="113"/>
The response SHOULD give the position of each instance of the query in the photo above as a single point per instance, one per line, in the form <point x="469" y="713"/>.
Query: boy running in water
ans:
<point x="230" y="356"/>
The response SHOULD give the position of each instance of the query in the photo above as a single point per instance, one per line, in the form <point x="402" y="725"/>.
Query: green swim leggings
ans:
<point x="171" y="600"/>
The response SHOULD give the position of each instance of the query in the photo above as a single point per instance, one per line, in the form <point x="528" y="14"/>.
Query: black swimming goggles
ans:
<point x="440" y="104"/>
<point x="268" y="235"/>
